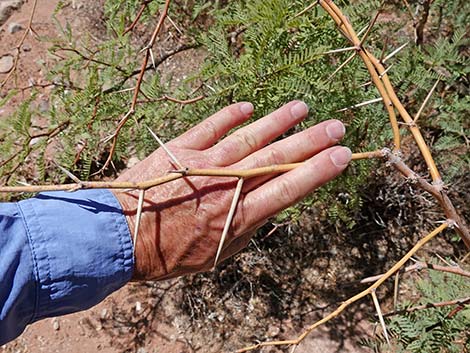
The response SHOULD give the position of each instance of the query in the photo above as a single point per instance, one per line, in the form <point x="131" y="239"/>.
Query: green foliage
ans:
<point x="432" y="330"/>
<point x="444" y="56"/>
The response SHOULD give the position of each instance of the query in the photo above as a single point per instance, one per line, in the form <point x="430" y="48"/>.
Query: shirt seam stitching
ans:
<point x="118" y="224"/>
<point x="35" y="264"/>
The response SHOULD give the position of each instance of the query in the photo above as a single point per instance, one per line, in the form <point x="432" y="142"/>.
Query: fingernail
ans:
<point x="341" y="156"/>
<point x="246" y="108"/>
<point x="299" y="110"/>
<point x="335" y="130"/>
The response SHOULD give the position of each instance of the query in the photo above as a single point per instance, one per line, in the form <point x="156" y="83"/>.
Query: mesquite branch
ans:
<point x="28" y="30"/>
<point x="357" y="297"/>
<point x="172" y="175"/>
<point x="459" y="302"/>
<point x="418" y="266"/>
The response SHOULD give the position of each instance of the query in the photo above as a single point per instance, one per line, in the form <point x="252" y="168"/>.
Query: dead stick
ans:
<point x="355" y="298"/>
<point x="460" y="302"/>
<point x="173" y="175"/>
<point x="422" y="265"/>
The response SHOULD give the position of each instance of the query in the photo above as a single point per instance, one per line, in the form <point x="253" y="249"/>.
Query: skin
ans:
<point x="182" y="221"/>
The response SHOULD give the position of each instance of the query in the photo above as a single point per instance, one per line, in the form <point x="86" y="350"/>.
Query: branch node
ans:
<point x="386" y="151"/>
<point x="439" y="185"/>
<point x="451" y="223"/>
<point x="183" y="171"/>
<point x="394" y="156"/>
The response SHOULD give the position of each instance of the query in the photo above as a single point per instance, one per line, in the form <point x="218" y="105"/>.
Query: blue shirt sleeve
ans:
<point x="60" y="253"/>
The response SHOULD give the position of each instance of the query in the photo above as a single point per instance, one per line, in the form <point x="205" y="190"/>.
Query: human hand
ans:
<point x="182" y="221"/>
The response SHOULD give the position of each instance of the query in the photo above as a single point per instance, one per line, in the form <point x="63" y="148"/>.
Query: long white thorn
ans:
<point x="395" y="52"/>
<point x="396" y="285"/>
<point x="381" y="317"/>
<point x="140" y="206"/>
<point x="167" y="151"/>
<point x="69" y="174"/>
<point x="385" y="71"/>
<point x="380" y="76"/>
<point x="340" y="50"/>
<point x="342" y="65"/>
<point x="228" y="221"/>
<point x="152" y="58"/>
<point x="108" y="138"/>
<point x="124" y="90"/>
<point x="174" y="25"/>
<point x="361" y="104"/>
<point x="426" y="100"/>
<point x="308" y="8"/>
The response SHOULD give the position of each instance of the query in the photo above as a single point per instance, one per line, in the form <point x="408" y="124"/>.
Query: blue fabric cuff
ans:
<point x="81" y="249"/>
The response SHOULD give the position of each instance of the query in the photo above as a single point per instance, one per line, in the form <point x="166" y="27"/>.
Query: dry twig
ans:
<point x="459" y="302"/>
<point x="355" y="298"/>
<point x="140" y="78"/>
<point x="28" y="29"/>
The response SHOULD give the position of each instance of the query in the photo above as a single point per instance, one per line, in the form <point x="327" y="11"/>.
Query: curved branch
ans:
<point x="355" y="298"/>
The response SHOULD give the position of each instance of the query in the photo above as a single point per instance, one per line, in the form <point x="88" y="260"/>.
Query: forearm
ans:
<point x="60" y="253"/>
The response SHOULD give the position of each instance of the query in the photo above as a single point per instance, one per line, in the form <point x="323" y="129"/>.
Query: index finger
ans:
<point x="210" y="130"/>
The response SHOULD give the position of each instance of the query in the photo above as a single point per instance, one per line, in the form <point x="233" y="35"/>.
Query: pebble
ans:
<point x="6" y="64"/>
<point x="55" y="324"/>
<point x="43" y="106"/>
<point x="273" y="331"/>
<point x="7" y="7"/>
<point x="104" y="313"/>
<point x="26" y="47"/>
<point x="14" y="27"/>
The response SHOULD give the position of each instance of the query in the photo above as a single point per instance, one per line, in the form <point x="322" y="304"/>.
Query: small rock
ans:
<point x="55" y="324"/>
<point x="26" y="47"/>
<point x="43" y="106"/>
<point x="14" y="27"/>
<point x="7" y="7"/>
<point x="141" y="350"/>
<point x="273" y="331"/>
<point x="138" y="307"/>
<point x="34" y="141"/>
<point x="104" y="313"/>
<point x="6" y="64"/>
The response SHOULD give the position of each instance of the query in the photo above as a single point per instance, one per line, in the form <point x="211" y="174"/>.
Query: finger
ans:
<point x="287" y="189"/>
<point x="209" y="131"/>
<point x="256" y="135"/>
<point x="295" y="148"/>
